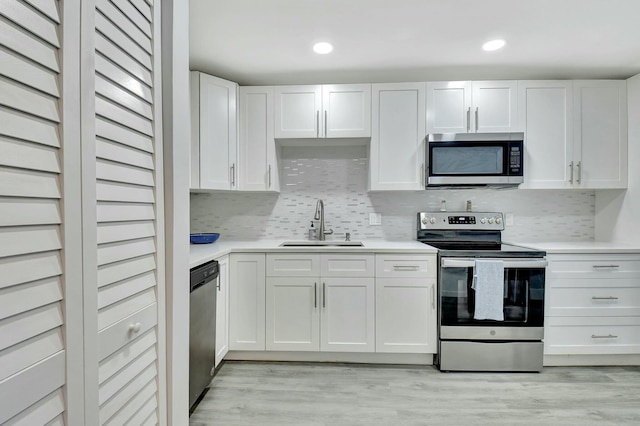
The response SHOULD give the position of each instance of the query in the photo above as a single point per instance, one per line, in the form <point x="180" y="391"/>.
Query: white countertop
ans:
<point x="583" y="247"/>
<point x="201" y="253"/>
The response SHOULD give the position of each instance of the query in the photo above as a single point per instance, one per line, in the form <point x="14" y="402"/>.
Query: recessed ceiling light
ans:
<point x="493" y="45"/>
<point x="322" y="48"/>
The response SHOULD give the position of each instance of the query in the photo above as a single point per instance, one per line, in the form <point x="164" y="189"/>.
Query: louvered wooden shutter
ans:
<point x="32" y="349"/>
<point x="128" y="213"/>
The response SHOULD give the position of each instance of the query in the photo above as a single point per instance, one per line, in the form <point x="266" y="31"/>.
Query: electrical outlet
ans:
<point x="508" y="221"/>
<point x="375" y="218"/>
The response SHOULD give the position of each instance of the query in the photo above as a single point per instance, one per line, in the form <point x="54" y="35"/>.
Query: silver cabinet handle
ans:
<point x="317" y="123"/>
<point x="468" y="119"/>
<point x="571" y="172"/>
<point x="406" y="267"/>
<point x="325" y="123"/>
<point x="579" y="165"/>
<point x="315" y="295"/>
<point x="605" y="266"/>
<point x="269" y="177"/>
<point x="218" y="285"/>
<point x="324" y="295"/>
<point x="233" y="174"/>
<point x="604" y="298"/>
<point x="476" y="119"/>
<point x="602" y="336"/>
<point x="433" y="297"/>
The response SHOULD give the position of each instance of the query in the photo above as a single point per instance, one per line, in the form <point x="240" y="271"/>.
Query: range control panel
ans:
<point x="461" y="220"/>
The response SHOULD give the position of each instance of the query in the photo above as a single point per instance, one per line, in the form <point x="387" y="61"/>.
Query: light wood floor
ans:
<point x="270" y="394"/>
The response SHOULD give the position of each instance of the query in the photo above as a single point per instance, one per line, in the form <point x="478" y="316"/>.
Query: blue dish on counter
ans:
<point x="206" y="238"/>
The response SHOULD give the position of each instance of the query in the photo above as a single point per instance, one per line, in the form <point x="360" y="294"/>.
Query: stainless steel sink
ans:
<point x="322" y="244"/>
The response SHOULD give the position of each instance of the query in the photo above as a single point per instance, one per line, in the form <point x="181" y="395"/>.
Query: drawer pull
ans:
<point x="406" y="267"/>
<point x="600" y="336"/>
<point x="134" y="328"/>
<point x="604" y="298"/>
<point x="605" y="266"/>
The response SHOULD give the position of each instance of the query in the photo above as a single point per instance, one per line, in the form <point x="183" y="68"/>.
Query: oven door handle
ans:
<point x="470" y="263"/>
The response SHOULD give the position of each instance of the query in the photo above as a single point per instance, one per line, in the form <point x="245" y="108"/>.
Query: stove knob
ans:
<point x="432" y="220"/>
<point x="498" y="220"/>
<point x="425" y="221"/>
<point x="483" y="220"/>
<point x="490" y="220"/>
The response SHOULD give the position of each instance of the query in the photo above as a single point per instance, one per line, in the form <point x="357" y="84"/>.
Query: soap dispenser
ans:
<point x="313" y="232"/>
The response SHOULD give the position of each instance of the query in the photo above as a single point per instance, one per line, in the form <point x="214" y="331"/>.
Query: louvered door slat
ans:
<point x="126" y="288"/>
<point x="125" y="24"/>
<point x="117" y="152"/>
<point x="28" y="100"/>
<point x="114" y="191"/>
<point x="118" y="360"/>
<point x="109" y="253"/>
<point x="118" y="133"/>
<point x="110" y="387"/>
<point x="22" y="269"/>
<point x="121" y="231"/>
<point x="115" y="272"/>
<point x="23" y="183"/>
<point x="109" y="110"/>
<point x="122" y="41"/>
<point x="125" y="307"/>
<point x="117" y="172"/>
<point x="143" y="8"/>
<point x="22" y="42"/>
<point x="132" y="389"/>
<point x="21" y="126"/>
<point x="48" y="7"/>
<point x="18" y="68"/>
<point x="123" y="98"/>
<point x="111" y="71"/>
<point x="21" y="327"/>
<point x="47" y="411"/>
<point x="121" y="212"/>
<point x="23" y="298"/>
<point x="35" y="211"/>
<point x="20" y="356"/>
<point x="31" y="21"/>
<point x="137" y="403"/>
<point x="29" y="239"/>
<point x="146" y="415"/>
<point x="25" y="155"/>
<point x="111" y="51"/>
<point x="136" y="16"/>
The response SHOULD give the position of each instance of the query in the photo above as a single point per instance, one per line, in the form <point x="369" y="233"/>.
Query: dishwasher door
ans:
<point x="202" y="328"/>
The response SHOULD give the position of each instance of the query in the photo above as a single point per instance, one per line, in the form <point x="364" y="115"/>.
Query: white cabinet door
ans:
<point x="213" y="132"/>
<point x="334" y="111"/>
<point x="346" y="110"/>
<point x="247" y="302"/>
<point x="449" y="107"/>
<point x="297" y="111"/>
<point x="222" y="310"/>
<point x="494" y="106"/>
<point x="545" y="111"/>
<point x="347" y="315"/>
<point x="397" y="139"/>
<point x="257" y="166"/>
<point x="478" y="106"/>
<point x="600" y="130"/>
<point x="406" y="315"/>
<point x="293" y="314"/>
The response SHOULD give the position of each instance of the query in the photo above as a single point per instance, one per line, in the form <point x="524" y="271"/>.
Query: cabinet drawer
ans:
<point x="612" y="300"/>
<point x="584" y="336"/>
<point x="119" y="334"/>
<point x="407" y="266"/>
<point x="293" y="265"/>
<point x="347" y="265"/>
<point x="595" y="266"/>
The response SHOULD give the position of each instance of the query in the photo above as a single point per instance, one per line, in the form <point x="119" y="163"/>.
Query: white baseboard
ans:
<point x="364" y="358"/>
<point x="587" y="360"/>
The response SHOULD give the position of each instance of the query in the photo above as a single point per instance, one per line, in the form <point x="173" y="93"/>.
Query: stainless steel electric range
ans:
<point x="512" y="342"/>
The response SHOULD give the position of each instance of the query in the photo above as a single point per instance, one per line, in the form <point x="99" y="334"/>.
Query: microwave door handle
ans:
<point x="470" y="263"/>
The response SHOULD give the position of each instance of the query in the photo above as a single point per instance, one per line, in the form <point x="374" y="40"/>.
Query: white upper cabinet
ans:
<point x="213" y="132"/>
<point x="575" y="133"/>
<point x="469" y="107"/>
<point x="257" y="159"/>
<point x="397" y="138"/>
<point x="600" y="133"/>
<point x="546" y="117"/>
<point x="329" y="111"/>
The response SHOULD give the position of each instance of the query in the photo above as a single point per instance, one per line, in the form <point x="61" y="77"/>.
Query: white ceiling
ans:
<point x="269" y="41"/>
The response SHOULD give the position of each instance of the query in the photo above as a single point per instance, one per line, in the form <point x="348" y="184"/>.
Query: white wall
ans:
<point x="338" y="175"/>
<point x="618" y="212"/>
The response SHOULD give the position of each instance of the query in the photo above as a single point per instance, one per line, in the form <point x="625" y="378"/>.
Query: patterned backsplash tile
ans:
<point x="338" y="176"/>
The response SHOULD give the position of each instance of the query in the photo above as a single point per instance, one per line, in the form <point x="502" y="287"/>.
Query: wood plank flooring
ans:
<point x="308" y="394"/>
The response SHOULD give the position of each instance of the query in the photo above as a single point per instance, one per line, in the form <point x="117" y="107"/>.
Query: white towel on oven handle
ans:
<point x="488" y="283"/>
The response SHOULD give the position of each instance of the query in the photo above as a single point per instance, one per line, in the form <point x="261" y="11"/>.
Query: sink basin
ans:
<point x="322" y="244"/>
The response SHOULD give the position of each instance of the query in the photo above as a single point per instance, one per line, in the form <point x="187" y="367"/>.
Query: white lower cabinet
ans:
<point x="592" y="304"/>
<point x="247" y="301"/>
<point x="310" y="307"/>
<point x="222" y="310"/>
<point x="406" y="320"/>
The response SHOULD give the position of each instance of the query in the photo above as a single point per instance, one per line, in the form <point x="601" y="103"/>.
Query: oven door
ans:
<point x="523" y="301"/>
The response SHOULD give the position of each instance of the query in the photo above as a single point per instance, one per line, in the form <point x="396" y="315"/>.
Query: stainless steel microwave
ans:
<point x="475" y="159"/>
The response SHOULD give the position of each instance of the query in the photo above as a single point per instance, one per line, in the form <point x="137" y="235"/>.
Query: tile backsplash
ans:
<point x="338" y="176"/>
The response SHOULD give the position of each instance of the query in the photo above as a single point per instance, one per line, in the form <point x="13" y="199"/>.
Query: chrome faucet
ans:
<point x="320" y="216"/>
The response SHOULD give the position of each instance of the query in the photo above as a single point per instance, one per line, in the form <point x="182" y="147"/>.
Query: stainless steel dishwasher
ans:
<point x="202" y="328"/>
